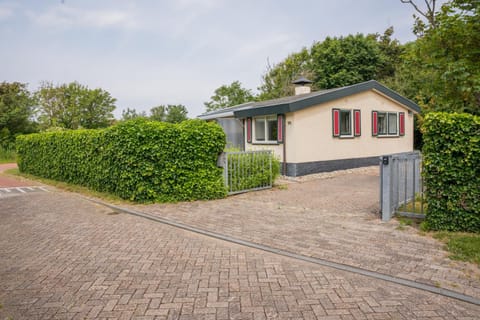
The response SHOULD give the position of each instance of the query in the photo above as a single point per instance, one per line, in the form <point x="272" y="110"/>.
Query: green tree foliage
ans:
<point x="176" y="113"/>
<point x="441" y="69"/>
<point x="16" y="111"/>
<point x="173" y="113"/>
<point x="130" y="114"/>
<point x="73" y="106"/>
<point x="427" y="12"/>
<point x="158" y="113"/>
<point x="343" y="61"/>
<point x="335" y="62"/>
<point x="229" y="95"/>
<point x="277" y="80"/>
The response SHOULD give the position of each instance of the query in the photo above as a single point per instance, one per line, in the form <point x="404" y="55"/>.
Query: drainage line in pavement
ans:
<point x="318" y="261"/>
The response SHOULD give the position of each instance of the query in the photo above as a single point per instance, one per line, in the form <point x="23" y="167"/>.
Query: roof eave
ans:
<point x="263" y="110"/>
<point x="327" y="97"/>
<point x="215" y="115"/>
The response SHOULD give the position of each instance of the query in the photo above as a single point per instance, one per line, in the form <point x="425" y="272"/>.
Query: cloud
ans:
<point x="63" y="16"/>
<point x="5" y="13"/>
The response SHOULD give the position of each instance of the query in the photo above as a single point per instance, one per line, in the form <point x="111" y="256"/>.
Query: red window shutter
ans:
<point x="401" y="117"/>
<point x="280" y="127"/>
<point x="336" y="122"/>
<point x="357" y="129"/>
<point x="374" y="123"/>
<point x="249" y="130"/>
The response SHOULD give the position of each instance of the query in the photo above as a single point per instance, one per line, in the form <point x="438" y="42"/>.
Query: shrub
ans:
<point x="139" y="160"/>
<point x="451" y="156"/>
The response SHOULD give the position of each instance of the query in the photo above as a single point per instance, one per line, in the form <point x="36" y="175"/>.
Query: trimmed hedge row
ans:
<point x="451" y="157"/>
<point x="139" y="160"/>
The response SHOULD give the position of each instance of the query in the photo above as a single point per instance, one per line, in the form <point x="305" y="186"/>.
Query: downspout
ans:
<point x="284" y="166"/>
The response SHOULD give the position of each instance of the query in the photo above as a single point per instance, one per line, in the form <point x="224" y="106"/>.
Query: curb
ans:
<point x="317" y="261"/>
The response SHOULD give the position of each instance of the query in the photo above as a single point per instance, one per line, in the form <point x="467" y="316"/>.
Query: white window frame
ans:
<point x="342" y="135"/>
<point x="387" y="115"/>
<point x="265" y="123"/>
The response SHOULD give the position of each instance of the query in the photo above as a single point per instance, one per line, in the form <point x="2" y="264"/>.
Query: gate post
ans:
<point x="386" y="187"/>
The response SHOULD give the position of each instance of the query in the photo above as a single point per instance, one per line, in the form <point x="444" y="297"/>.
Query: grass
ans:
<point x="462" y="246"/>
<point x="415" y="207"/>
<point x="70" y="187"/>
<point x="410" y="222"/>
<point x="7" y="155"/>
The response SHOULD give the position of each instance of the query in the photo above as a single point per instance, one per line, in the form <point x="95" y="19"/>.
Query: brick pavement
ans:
<point x="334" y="218"/>
<point x="62" y="257"/>
<point x="8" y="182"/>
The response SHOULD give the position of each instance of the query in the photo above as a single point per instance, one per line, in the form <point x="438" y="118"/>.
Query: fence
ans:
<point x="401" y="185"/>
<point x="246" y="170"/>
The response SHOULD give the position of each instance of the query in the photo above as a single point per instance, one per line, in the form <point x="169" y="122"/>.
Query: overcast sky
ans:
<point x="147" y="53"/>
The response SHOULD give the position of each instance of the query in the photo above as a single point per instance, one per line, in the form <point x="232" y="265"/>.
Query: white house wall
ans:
<point x="309" y="132"/>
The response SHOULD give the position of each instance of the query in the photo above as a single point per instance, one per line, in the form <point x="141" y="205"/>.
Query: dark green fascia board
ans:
<point x="395" y="96"/>
<point x="263" y="111"/>
<point x="327" y="97"/>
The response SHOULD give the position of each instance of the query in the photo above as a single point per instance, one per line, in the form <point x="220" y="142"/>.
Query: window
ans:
<point x="266" y="129"/>
<point x="346" y="123"/>
<point x="388" y="123"/>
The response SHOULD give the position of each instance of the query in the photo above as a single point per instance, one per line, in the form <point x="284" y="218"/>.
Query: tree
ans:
<point x="343" y="61"/>
<point x="130" y="114"/>
<point x="428" y="13"/>
<point x="277" y="80"/>
<point x="16" y="111"/>
<point x="441" y="69"/>
<point x="176" y="113"/>
<point x="96" y="107"/>
<point x="158" y="113"/>
<point x="229" y="95"/>
<point x="73" y="106"/>
<point x="335" y="62"/>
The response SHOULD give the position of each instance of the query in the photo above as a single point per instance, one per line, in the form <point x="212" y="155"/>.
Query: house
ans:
<point x="325" y="130"/>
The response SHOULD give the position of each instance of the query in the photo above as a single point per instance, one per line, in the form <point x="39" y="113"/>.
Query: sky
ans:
<point x="146" y="53"/>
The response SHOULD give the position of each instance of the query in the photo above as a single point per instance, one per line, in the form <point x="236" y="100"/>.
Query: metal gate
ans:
<point x="401" y="185"/>
<point x="246" y="170"/>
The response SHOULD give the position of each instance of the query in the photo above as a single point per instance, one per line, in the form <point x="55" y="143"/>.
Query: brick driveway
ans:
<point x="334" y="217"/>
<point x="62" y="257"/>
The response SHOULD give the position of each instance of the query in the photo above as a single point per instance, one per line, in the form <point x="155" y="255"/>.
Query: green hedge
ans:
<point x="139" y="160"/>
<point x="451" y="157"/>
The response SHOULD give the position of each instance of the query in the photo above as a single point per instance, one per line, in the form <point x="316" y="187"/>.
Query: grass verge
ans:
<point x="7" y="155"/>
<point x="462" y="246"/>
<point x="70" y="187"/>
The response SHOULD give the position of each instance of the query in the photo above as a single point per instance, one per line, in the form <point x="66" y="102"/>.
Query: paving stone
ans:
<point x="330" y="216"/>
<point x="63" y="257"/>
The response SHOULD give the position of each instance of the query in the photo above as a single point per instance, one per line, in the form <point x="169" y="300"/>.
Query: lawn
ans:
<point x="462" y="246"/>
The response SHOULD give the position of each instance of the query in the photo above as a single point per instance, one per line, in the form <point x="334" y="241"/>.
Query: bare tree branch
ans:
<point x="429" y="13"/>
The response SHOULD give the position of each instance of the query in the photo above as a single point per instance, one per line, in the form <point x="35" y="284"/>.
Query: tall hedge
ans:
<point x="451" y="155"/>
<point x="139" y="160"/>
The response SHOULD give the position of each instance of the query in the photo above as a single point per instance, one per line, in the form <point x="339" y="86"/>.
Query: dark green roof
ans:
<point x="299" y="102"/>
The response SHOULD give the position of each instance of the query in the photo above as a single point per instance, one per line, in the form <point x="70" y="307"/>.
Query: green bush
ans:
<point x="451" y="157"/>
<point x="139" y="160"/>
<point x="251" y="170"/>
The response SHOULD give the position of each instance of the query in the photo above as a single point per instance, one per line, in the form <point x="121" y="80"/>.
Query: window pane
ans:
<point x="392" y="123"/>
<point x="272" y="129"/>
<point x="260" y="129"/>
<point x="382" y="123"/>
<point x="345" y="122"/>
